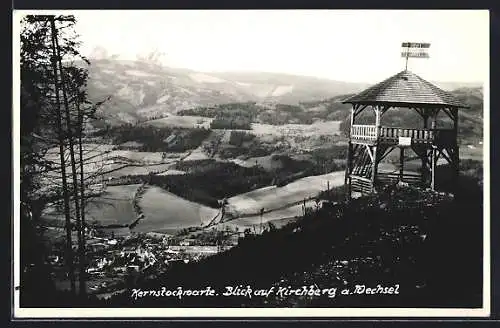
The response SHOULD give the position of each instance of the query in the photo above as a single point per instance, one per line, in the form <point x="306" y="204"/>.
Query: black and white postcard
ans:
<point x="253" y="163"/>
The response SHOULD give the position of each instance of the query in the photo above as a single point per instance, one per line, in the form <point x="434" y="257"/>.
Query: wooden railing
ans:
<point x="416" y="135"/>
<point x="364" y="131"/>
<point x="392" y="134"/>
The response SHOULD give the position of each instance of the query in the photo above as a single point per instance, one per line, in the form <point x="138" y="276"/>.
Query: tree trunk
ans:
<point x="69" y="250"/>
<point x="72" y="161"/>
<point x="82" y="250"/>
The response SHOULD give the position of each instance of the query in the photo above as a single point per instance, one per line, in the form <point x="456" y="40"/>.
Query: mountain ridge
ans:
<point x="143" y="89"/>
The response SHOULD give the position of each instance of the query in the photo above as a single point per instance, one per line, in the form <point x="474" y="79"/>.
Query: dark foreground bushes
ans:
<point x="426" y="242"/>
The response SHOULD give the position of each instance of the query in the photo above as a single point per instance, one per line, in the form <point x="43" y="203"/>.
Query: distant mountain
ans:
<point x="290" y="89"/>
<point x="142" y="89"/>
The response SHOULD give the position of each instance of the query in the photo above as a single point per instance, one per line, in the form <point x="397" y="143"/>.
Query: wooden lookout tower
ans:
<point x="370" y="143"/>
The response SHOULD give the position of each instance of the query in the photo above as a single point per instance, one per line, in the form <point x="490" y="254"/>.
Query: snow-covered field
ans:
<point x="273" y="197"/>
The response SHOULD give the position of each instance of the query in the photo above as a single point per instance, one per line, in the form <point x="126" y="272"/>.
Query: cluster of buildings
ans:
<point x="122" y="260"/>
<point x="144" y="255"/>
<point x="111" y="260"/>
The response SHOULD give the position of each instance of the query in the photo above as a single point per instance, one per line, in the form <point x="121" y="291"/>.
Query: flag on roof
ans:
<point x="415" y="50"/>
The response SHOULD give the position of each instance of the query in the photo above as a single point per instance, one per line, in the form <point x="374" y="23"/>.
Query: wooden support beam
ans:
<point x="374" y="167"/>
<point x="348" y="171"/>
<point x="456" y="163"/>
<point x="454" y="113"/>
<point x="448" y="112"/>
<point x="421" y="151"/>
<point x="388" y="150"/>
<point x="370" y="153"/>
<point x="384" y="109"/>
<point x="425" y="163"/>
<point x="419" y="111"/>
<point x="424" y="114"/>
<point x="433" y="115"/>
<point x="448" y="158"/>
<point x="434" y="158"/>
<point x="451" y="151"/>
<point x="401" y="162"/>
<point x="377" y="122"/>
<point x="380" y="152"/>
<point x="437" y="113"/>
<point x="433" y="168"/>
<point x="438" y="154"/>
<point x="353" y="110"/>
<point x="358" y="110"/>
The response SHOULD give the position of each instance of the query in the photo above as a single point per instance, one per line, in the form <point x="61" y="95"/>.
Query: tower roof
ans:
<point x="406" y="89"/>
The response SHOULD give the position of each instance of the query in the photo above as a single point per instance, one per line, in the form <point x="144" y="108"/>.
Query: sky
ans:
<point x="345" y="45"/>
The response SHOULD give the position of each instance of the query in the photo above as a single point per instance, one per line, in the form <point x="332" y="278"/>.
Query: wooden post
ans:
<point x="433" y="154"/>
<point x="434" y="118"/>
<point x="353" y="116"/>
<point x="347" y="179"/>
<point x="377" y="110"/>
<point x="456" y="160"/>
<point x="425" y="117"/>
<point x="433" y="167"/>
<point x="261" y="214"/>
<point x="454" y="114"/>
<point x="401" y="162"/>
<point x="374" y="166"/>
<point x="421" y="151"/>
<point x="347" y="182"/>
<point x="456" y="152"/>
<point x="377" y="120"/>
